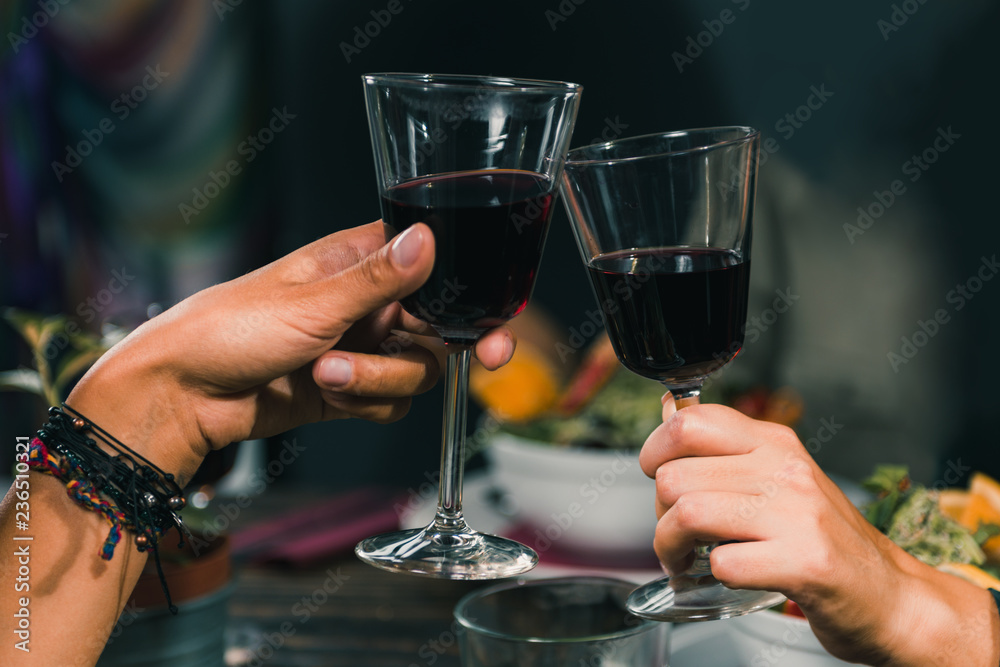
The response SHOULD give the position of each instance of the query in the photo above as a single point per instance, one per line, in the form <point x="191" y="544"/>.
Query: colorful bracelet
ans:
<point x="128" y="490"/>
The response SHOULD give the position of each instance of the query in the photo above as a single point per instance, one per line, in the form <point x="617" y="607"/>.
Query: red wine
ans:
<point x="489" y="229"/>
<point x="673" y="314"/>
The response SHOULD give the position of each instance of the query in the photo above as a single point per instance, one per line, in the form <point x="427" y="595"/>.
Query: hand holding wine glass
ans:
<point x="788" y="527"/>
<point x="476" y="159"/>
<point x="663" y="223"/>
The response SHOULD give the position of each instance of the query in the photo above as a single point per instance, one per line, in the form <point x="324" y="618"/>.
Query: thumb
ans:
<point x="392" y="272"/>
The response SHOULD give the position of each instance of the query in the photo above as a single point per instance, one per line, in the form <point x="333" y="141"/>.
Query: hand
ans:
<point x="307" y="338"/>
<point x="722" y="476"/>
<point x="244" y="359"/>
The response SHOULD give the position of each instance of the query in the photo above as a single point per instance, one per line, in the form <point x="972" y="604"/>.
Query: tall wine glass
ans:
<point x="663" y="222"/>
<point x="477" y="159"/>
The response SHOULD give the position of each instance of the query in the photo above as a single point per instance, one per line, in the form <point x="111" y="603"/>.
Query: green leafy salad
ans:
<point x="910" y="515"/>
<point x="621" y="416"/>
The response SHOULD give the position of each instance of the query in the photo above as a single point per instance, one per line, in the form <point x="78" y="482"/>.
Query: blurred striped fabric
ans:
<point x="61" y="86"/>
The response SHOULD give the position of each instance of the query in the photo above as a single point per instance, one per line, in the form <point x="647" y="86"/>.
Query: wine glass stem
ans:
<point x="456" y="401"/>
<point x="685" y="397"/>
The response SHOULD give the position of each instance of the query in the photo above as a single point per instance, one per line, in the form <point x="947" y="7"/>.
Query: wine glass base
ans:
<point x="432" y="552"/>
<point x="686" y="598"/>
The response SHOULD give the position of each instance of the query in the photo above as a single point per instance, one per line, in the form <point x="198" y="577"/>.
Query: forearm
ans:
<point x="944" y="621"/>
<point x="73" y="597"/>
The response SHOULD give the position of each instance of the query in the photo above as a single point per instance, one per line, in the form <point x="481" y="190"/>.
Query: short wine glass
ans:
<point x="663" y="222"/>
<point x="477" y="159"/>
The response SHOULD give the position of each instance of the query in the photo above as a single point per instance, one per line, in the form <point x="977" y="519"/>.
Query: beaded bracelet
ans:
<point x="143" y="498"/>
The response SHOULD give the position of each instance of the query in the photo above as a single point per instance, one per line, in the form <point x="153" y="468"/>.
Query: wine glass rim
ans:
<point x="469" y="81"/>
<point x="462" y="608"/>
<point x="747" y="134"/>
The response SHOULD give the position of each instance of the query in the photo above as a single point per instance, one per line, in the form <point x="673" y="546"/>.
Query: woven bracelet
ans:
<point x="128" y="490"/>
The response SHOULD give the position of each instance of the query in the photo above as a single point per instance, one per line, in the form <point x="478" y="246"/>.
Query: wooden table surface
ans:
<point x="339" y="612"/>
<point x="368" y="617"/>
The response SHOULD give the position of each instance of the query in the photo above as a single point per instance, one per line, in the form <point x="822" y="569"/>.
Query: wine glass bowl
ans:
<point x="477" y="160"/>
<point x="663" y="223"/>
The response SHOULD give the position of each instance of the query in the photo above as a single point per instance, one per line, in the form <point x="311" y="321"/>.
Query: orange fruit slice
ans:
<point x="983" y="507"/>
<point x="953" y="503"/>
<point x="972" y="574"/>
<point x="525" y="388"/>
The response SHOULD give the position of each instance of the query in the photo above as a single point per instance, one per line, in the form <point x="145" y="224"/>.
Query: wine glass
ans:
<point x="663" y="222"/>
<point x="478" y="160"/>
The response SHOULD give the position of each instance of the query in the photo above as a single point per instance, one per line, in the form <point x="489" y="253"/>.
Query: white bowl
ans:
<point x="594" y="500"/>
<point x="776" y="640"/>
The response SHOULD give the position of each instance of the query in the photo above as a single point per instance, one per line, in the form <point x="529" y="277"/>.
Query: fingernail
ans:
<point x="663" y="399"/>
<point x="508" y="349"/>
<point x="335" y="371"/>
<point x="406" y="248"/>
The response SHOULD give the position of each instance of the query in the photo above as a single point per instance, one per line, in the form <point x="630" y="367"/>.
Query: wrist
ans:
<point x="941" y="618"/>
<point x="134" y="398"/>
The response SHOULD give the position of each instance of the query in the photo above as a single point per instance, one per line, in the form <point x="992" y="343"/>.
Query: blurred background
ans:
<point x="154" y="147"/>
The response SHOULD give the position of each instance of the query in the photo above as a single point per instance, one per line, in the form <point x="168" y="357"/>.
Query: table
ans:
<point x="341" y="612"/>
<point x="345" y="612"/>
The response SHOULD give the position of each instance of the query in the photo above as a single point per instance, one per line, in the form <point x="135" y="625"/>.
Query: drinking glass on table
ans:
<point x="478" y="160"/>
<point x="663" y="222"/>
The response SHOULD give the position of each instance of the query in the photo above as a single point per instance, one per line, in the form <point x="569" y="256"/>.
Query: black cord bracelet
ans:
<point x="143" y="498"/>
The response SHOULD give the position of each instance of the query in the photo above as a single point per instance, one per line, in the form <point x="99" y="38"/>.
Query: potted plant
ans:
<point x="198" y="574"/>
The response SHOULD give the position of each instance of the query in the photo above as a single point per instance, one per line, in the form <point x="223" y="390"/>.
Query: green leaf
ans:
<point x="22" y="380"/>
<point x="50" y="326"/>
<point x="880" y="512"/>
<point x="985" y="532"/>
<point x="887" y="478"/>
<point x="29" y="325"/>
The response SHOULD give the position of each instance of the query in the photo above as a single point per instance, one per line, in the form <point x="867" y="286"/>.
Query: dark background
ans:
<point x="890" y="94"/>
